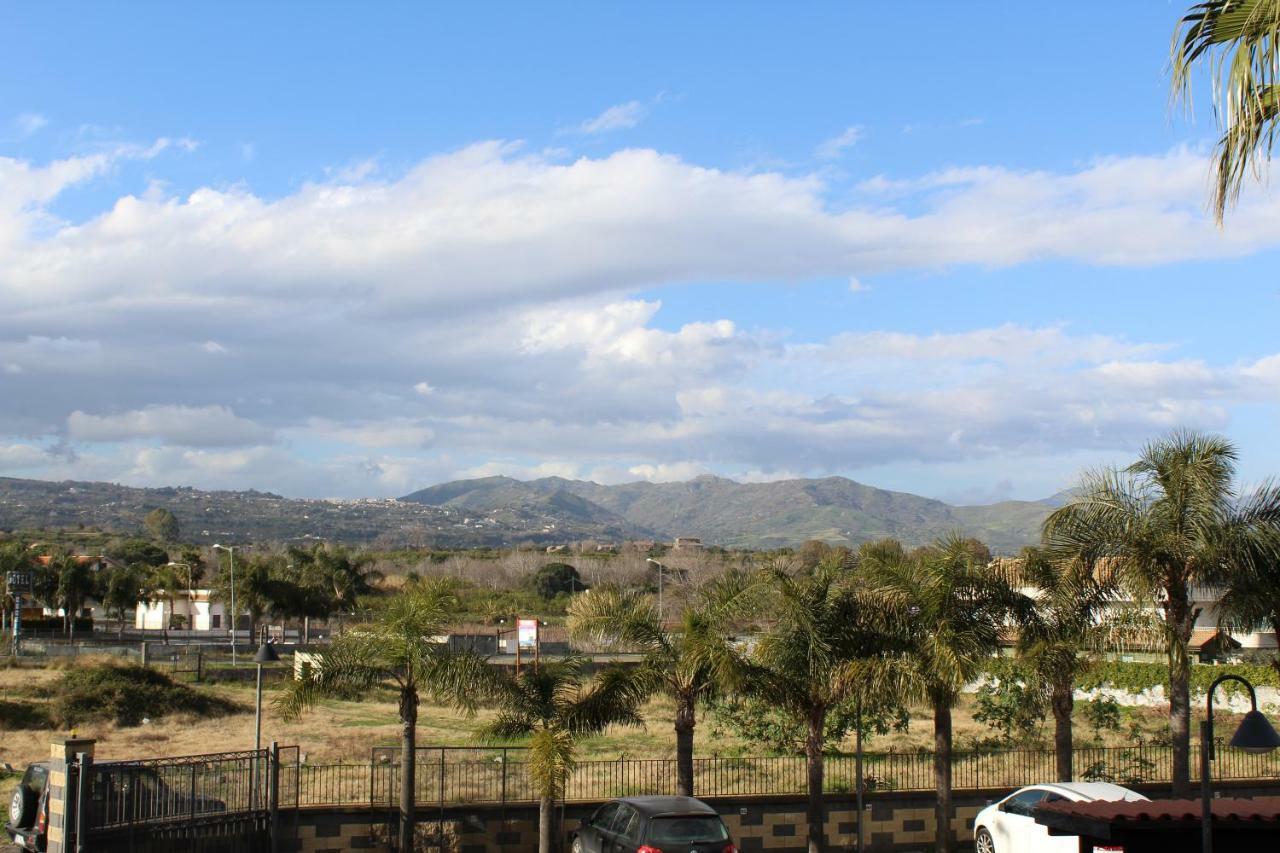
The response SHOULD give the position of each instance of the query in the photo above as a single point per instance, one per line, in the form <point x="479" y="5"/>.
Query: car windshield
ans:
<point x="687" y="828"/>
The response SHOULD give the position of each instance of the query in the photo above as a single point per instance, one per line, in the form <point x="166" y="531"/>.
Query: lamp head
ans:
<point x="1255" y="734"/>
<point x="267" y="654"/>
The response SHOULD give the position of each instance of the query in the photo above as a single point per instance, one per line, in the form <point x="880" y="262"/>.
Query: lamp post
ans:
<point x="660" y="571"/>
<point x="266" y="654"/>
<point x="1255" y="735"/>
<point x="231" y="550"/>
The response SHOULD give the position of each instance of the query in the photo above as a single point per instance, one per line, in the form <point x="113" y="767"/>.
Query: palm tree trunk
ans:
<point x="815" y="813"/>
<point x="942" y="775"/>
<point x="408" y="766"/>
<point x="1063" y="701"/>
<point x="546" y="824"/>
<point x="1182" y="620"/>
<point x="686" y="719"/>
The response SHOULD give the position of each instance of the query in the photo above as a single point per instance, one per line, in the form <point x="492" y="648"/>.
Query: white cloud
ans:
<point x="19" y="456"/>
<point x="207" y="426"/>
<point x="29" y="123"/>
<point x="834" y="148"/>
<point x="856" y="285"/>
<point x="505" y="279"/>
<point x="617" y="117"/>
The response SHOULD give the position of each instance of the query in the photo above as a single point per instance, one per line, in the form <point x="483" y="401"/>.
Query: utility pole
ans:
<point x="231" y="551"/>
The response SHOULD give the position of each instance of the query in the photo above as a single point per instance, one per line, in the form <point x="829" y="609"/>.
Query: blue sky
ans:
<point x="353" y="250"/>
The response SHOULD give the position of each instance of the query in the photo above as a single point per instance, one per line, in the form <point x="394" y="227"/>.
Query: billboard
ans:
<point x="527" y="633"/>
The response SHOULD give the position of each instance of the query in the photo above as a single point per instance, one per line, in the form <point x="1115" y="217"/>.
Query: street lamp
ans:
<point x="660" y="570"/>
<point x="266" y="654"/>
<point x="1255" y="735"/>
<point x="231" y="550"/>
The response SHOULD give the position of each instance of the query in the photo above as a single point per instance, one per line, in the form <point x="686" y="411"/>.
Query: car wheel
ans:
<point x="20" y="808"/>
<point x="983" y="842"/>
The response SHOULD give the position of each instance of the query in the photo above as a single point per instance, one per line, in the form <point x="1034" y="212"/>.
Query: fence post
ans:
<point x="199" y="665"/>
<point x="143" y="652"/>
<point x="273" y="794"/>
<point x="84" y="779"/>
<point x="62" y="797"/>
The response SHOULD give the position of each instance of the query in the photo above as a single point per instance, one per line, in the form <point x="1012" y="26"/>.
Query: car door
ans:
<point x="1016" y="828"/>
<point x="595" y="832"/>
<point x="1053" y="843"/>
<point x="624" y="833"/>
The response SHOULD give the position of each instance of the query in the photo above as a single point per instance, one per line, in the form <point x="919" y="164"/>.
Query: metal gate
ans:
<point x="228" y="801"/>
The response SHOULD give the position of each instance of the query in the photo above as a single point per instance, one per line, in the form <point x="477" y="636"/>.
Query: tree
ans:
<point x="686" y="664"/>
<point x="1251" y="599"/>
<point x="396" y="646"/>
<point x="122" y="589"/>
<point x="76" y="584"/>
<point x="257" y="588"/>
<point x="1066" y="621"/>
<point x="1239" y="42"/>
<point x="828" y="645"/>
<point x="162" y="525"/>
<point x="1171" y="523"/>
<point x="555" y="579"/>
<point x="162" y="585"/>
<point x="350" y="576"/>
<point x="957" y="606"/>
<point x="554" y="707"/>
<point x="131" y="551"/>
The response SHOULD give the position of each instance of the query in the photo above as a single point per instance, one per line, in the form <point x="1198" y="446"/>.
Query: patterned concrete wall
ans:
<point x="895" y="823"/>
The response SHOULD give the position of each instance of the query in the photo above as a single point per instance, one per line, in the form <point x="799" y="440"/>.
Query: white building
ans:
<point x="191" y="610"/>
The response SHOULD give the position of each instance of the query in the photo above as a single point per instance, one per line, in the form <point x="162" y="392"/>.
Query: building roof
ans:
<point x="1226" y="809"/>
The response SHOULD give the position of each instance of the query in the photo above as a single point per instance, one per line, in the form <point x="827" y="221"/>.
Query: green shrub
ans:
<point x="1135" y="677"/>
<point x="1011" y="703"/>
<point x="126" y="695"/>
<point x="23" y="715"/>
<point x="1102" y="715"/>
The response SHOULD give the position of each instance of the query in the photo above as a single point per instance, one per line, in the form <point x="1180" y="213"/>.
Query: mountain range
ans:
<point x="501" y="511"/>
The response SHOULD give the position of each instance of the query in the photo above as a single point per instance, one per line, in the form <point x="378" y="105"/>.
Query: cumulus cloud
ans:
<point x="206" y="426"/>
<point x="476" y="314"/>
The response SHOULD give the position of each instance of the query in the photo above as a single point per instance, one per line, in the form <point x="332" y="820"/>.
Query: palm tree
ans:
<point x="122" y="589"/>
<point x="257" y="590"/>
<point x="554" y="708"/>
<point x="163" y="583"/>
<point x="1065" y="621"/>
<point x="397" y="647"/>
<point x="76" y="584"/>
<point x="957" y="606"/>
<point x="1171" y="523"/>
<point x="828" y="646"/>
<point x="1239" y="41"/>
<point x="1251" y="599"/>
<point x="685" y="663"/>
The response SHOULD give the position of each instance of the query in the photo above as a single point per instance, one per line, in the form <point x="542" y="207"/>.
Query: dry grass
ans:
<point x="337" y="731"/>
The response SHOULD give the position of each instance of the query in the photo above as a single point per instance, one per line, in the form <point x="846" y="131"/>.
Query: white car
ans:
<point x="1008" y="827"/>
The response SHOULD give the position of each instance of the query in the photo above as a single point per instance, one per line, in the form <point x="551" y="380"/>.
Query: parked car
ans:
<point x="1008" y="826"/>
<point x="29" y="808"/>
<point x="654" y="825"/>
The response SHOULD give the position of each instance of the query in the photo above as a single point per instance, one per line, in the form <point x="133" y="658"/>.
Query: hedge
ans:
<point x="1136" y="677"/>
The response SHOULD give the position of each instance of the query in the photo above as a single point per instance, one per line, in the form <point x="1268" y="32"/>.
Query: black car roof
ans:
<point x="651" y="806"/>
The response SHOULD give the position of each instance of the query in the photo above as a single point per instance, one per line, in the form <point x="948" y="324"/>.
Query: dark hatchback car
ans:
<point x="654" y="825"/>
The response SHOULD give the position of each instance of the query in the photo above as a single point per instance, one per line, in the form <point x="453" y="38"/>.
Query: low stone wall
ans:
<point x="896" y="822"/>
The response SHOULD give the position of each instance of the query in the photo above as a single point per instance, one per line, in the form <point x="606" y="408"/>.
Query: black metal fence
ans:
<point x="453" y="775"/>
<point x="228" y="801"/>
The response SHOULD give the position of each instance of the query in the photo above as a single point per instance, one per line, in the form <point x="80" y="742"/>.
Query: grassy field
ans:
<point x="344" y="731"/>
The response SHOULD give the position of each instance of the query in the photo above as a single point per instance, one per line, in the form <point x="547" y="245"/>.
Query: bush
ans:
<point x="554" y="579"/>
<point x="1135" y="677"/>
<point x="781" y="732"/>
<point x="126" y="695"/>
<point x="1102" y="715"/>
<point x="1011" y="704"/>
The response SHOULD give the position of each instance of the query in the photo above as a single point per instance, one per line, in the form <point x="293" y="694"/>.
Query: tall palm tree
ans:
<point x="1239" y="42"/>
<point x="1171" y="523"/>
<point x="162" y="585"/>
<point x="76" y="584"/>
<point x="554" y="707"/>
<point x="1251" y="597"/>
<point x="1066" y="620"/>
<point x="685" y="661"/>
<point x="396" y="647"/>
<point x="828" y="645"/>
<point x="957" y="606"/>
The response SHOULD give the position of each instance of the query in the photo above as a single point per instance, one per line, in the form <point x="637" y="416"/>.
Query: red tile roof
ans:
<point x="1239" y="809"/>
